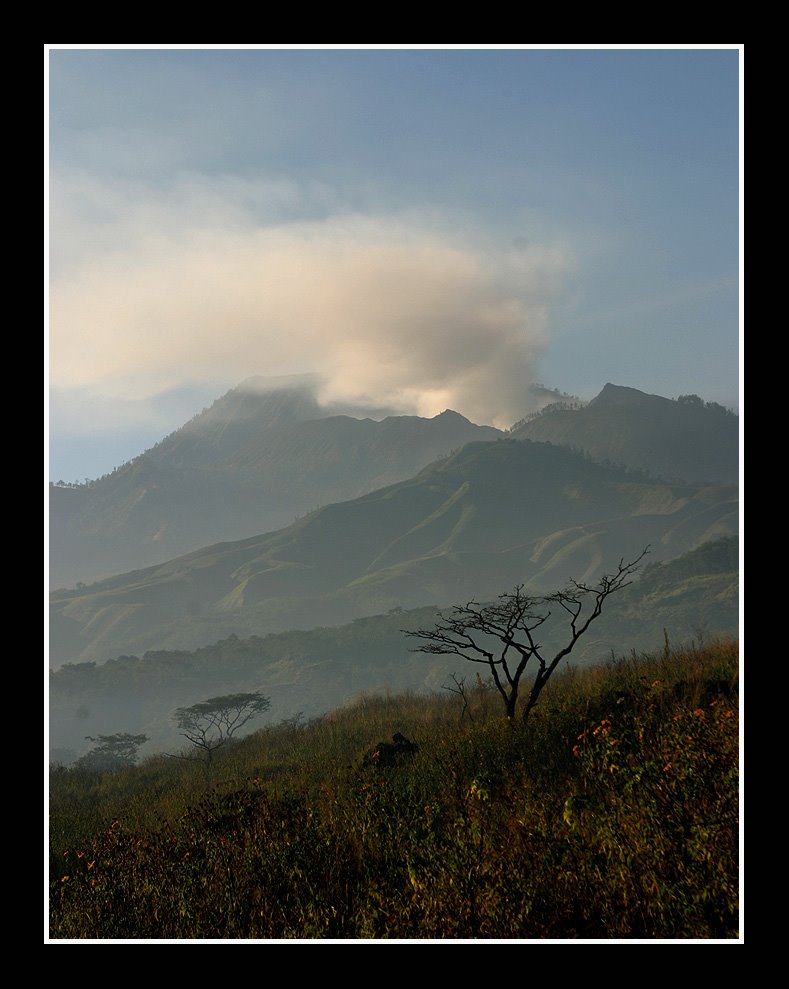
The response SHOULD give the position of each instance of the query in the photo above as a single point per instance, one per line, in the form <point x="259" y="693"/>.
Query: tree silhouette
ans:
<point x="112" y="752"/>
<point x="213" y="722"/>
<point x="502" y="635"/>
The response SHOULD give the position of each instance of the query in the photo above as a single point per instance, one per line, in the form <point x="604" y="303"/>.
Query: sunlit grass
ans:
<point x="613" y="813"/>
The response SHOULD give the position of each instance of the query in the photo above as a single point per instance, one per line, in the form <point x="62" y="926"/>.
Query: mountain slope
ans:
<point x="313" y="671"/>
<point x="249" y="464"/>
<point x="687" y="438"/>
<point x="491" y="515"/>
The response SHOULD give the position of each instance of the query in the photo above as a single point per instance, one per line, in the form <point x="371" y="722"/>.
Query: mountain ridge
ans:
<point x="692" y="597"/>
<point x="490" y="515"/>
<point x="683" y="439"/>
<point x="249" y="463"/>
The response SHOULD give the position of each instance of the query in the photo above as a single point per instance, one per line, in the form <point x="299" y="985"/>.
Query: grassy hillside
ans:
<point x="490" y="516"/>
<point x="611" y="814"/>
<point x="693" y="598"/>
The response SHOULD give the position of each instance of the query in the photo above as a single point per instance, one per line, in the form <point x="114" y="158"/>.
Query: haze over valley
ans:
<point x="490" y="510"/>
<point x="393" y="492"/>
<point x="337" y="336"/>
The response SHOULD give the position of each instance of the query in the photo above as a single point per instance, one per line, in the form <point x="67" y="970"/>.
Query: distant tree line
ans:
<point x="572" y="406"/>
<point x="699" y="403"/>
<point x="89" y="482"/>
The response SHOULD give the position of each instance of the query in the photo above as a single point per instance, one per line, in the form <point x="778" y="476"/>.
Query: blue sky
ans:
<point x="423" y="228"/>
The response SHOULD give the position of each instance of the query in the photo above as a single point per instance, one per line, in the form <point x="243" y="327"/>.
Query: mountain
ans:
<point x="473" y="524"/>
<point x="693" y="597"/>
<point x="685" y="439"/>
<point x="254" y="460"/>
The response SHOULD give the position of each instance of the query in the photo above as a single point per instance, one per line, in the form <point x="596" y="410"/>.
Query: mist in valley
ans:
<point x="340" y="340"/>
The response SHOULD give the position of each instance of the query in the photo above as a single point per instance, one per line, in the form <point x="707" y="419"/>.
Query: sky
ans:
<point x="422" y="228"/>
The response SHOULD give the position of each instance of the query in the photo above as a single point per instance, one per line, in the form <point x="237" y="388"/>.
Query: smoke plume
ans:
<point x="151" y="292"/>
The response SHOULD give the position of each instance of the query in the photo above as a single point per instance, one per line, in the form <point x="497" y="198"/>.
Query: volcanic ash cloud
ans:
<point x="386" y="311"/>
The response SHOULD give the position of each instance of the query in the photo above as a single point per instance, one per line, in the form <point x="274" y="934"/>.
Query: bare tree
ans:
<point x="213" y="722"/>
<point x="502" y="635"/>
<point x="459" y="688"/>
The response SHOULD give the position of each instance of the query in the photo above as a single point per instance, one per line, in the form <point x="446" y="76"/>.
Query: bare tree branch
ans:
<point x="460" y="690"/>
<point x="501" y="635"/>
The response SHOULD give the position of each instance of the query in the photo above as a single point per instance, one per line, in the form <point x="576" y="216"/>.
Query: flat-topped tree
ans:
<point x="501" y="636"/>
<point x="112" y="752"/>
<point x="212" y="723"/>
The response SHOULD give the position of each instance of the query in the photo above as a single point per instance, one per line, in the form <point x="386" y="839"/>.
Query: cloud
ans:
<point x="154" y="290"/>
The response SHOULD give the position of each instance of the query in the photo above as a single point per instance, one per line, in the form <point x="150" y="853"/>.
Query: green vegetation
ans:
<point x="611" y="813"/>
<point x="692" y="598"/>
<point x="491" y="516"/>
